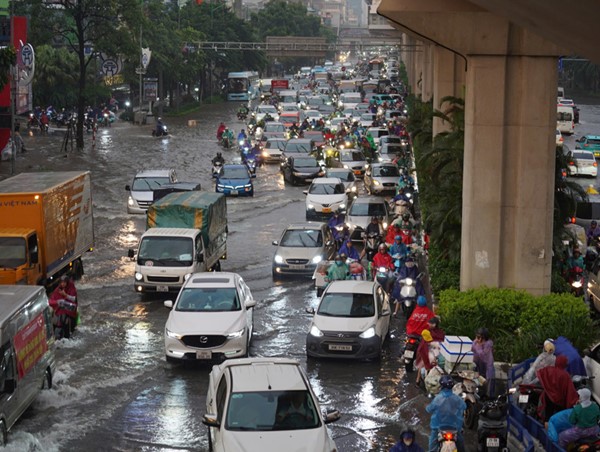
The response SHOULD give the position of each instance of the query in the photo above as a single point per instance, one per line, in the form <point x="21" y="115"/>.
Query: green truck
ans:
<point x="186" y="233"/>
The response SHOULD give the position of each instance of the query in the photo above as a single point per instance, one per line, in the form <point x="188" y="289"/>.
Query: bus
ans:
<point x="242" y="85"/>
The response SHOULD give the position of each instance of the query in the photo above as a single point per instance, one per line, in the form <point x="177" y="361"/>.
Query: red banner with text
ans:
<point x="30" y="344"/>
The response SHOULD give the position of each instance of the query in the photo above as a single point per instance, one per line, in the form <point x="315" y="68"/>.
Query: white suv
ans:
<point x="141" y="191"/>
<point x="265" y="404"/>
<point x="212" y="319"/>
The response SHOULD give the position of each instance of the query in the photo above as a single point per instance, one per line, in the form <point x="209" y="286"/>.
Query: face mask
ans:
<point x="338" y="263"/>
<point x="407" y="441"/>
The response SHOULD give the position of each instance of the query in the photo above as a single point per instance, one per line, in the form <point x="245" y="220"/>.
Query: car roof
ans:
<point x="351" y="287"/>
<point x="582" y="151"/>
<point x="211" y="279"/>
<point x="306" y="225"/>
<point x="369" y="200"/>
<point x="592" y="137"/>
<point x="154" y="173"/>
<point x="299" y="140"/>
<point x="234" y="165"/>
<point x="379" y="164"/>
<point x="327" y="180"/>
<point x="267" y="376"/>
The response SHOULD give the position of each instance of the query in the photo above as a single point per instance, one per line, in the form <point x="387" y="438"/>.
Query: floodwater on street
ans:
<point x="114" y="390"/>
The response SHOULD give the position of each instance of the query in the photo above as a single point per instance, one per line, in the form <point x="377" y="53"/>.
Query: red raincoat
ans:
<point x="418" y="320"/>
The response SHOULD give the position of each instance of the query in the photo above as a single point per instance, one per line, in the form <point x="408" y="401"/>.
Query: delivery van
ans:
<point x="27" y="351"/>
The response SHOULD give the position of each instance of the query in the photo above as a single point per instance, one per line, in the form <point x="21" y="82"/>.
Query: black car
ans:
<point x="301" y="169"/>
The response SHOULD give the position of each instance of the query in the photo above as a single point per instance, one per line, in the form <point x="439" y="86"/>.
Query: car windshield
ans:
<point x="302" y="238"/>
<point x="583" y="156"/>
<point x="347" y="305"/>
<point x="326" y="189"/>
<point x="367" y="209"/>
<point x="160" y="251"/>
<point x="206" y="299"/>
<point x="13" y="252"/>
<point x="393" y="149"/>
<point x="344" y="176"/>
<point x="276" y="144"/>
<point x="386" y="171"/>
<point x="593" y="141"/>
<point x="305" y="163"/>
<point x="391" y="140"/>
<point x="267" y="109"/>
<point x="234" y="173"/>
<point x="352" y="157"/>
<point x="274" y="127"/>
<point x="271" y="410"/>
<point x="149" y="183"/>
<point x="317" y="136"/>
<point x="297" y="147"/>
<point x="368" y="116"/>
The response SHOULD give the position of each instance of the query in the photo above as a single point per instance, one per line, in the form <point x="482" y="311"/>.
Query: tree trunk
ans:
<point x="82" y="83"/>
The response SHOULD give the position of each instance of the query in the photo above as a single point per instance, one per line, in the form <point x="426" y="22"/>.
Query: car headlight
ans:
<point x="139" y="276"/>
<point x="235" y="334"/>
<point x="278" y="259"/>
<point x="221" y="186"/>
<point x="310" y="207"/>
<point x="173" y="335"/>
<point x="346" y="166"/>
<point x="296" y="173"/>
<point x="130" y="201"/>
<point x="367" y="334"/>
<point x="265" y="154"/>
<point x="317" y="259"/>
<point x="314" y="331"/>
<point x="376" y="182"/>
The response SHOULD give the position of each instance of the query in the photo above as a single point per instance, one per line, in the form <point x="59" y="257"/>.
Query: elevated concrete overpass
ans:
<point x="502" y="57"/>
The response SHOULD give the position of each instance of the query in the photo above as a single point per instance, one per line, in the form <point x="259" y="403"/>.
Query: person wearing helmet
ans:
<point x="63" y="301"/>
<point x="427" y="352"/>
<point x="338" y="271"/>
<point x="220" y="130"/>
<point x="374" y="227"/>
<point x="592" y="233"/>
<point x="419" y="319"/>
<point x="433" y="325"/>
<point x="399" y="250"/>
<point x="349" y="250"/>
<point x="407" y="443"/>
<point x="218" y="159"/>
<point x="447" y="412"/>
<point x="227" y="137"/>
<point x="336" y="224"/>
<point x="544" y="359"/>
<point x="408" y="270"/>
<point x="483" y="357"/>
<point x="242" y="137"/>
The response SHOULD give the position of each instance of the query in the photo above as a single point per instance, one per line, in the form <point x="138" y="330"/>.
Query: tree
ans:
<point x="55" y="78"/>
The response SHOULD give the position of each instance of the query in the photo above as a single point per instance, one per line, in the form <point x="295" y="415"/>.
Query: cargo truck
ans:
<point x="186" y="233"/>
<point x="46" y="225"/>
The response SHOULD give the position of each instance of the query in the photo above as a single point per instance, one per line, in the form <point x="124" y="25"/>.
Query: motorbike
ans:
<point x="528" y="398"/>
<point x="225" y="142"/>
<point x="216" y="169"/>
<point x="492" y="427"/>
<point x="410" y="351"/>
<point x="576" y="281"/>
<point x="382" y="275"/>
<point x="250" y="163"/>
<point x="242" y="116"/>
<point x="161" y="132"/>
<point x="447" y="440"/>
<point x="372" y="241"/>
<point x="408" y="294"/>
<point x="244" y="147"/>
<point x="468" y="389"/>
<point x="401" y="207"/>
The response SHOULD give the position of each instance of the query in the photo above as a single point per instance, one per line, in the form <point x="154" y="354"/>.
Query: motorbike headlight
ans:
<point x="173" y="335"/>
<point x="314" y="331"/>
<point x="139" y="276"/>
<point x="382" y="270"/>
<point x="577" y="284"/>
<point x="385" y="225"/>
<point x="342" y="206"/>
<point x="353" y="189"/>
<point x="235" y="334"/>
<point x="409" y="281"/>
<point x="317" y="259"/>
<point x="278" y="259"/>
<point x="241" y="142"/>
<point x="367" y="334"/>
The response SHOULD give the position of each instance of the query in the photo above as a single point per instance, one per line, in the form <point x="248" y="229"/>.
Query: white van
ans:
<point x="565" y="119"/>
<point x="27" y="351"/>
<point x="561" y="93"/>
<point x="144" y="183"/>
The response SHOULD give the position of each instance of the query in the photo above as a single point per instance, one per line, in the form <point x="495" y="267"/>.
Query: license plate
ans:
<point x="492" y="442"/>
<point x="409" y="354"/>
<point x="296" y="267"/>
<point x="357" y="172"/>
<point x="523" y="398"/>
<point x="162" y="288"/>
<point x="326" y="209"/>
<point x="340" y="348"/>
<point x="233" y="192"/>
<point x="203" y="354"/>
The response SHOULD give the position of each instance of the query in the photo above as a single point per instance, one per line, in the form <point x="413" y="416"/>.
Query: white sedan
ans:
<point x="583" y="163"/>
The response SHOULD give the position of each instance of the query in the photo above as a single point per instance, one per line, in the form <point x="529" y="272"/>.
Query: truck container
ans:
<point x="46" y="224"/>
<point x="186" y="233"/>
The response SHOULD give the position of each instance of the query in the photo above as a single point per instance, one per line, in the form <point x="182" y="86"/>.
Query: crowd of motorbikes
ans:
<point x="41" y="119"/>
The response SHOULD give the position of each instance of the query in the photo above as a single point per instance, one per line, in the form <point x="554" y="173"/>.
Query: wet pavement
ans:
<point x="113" y="389"/>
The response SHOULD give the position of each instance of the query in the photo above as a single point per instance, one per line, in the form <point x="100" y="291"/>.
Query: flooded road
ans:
<point x="113" y="389"/>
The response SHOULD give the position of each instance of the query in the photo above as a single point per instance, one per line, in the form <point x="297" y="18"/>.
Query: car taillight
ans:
<point x="412" y="341"/>
<point x="595" y="163"/>
<point x="573" y="220"/>
<point x="572" y="163"/>
<point x="448" y="436"/>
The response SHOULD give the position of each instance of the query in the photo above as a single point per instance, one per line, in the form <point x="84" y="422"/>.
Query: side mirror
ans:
<point x="128" y="187"/>
<point x="200" y="257"/>
<point x="168" y="304"/>
<point x="329" y="243"/>
<point x="331" y="416"/>
<point x="251" y="303"/>
<point x="210" y="420"/>
<point x="310" y="310"/>
<point x="130" y="253"/>
<point x="385" y="312"/>
<point x="275" y="242"/>
<point x="305" y="192"/>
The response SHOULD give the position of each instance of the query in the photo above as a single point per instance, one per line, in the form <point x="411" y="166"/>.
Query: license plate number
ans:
<point x="233" y="192"/>
<point x="409" y="354"/>
<point x="326" y="209"/>
<point x="296" y="267"/>
<point x="203" y="354"/>
<point x="340" y="348"/>
<point x="492" y="442"/>
<point x="162" y="288"/>
<point x="523" y="398"/>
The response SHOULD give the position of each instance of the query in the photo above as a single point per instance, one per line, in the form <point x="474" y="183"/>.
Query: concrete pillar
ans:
<point x="448" y="76"/>
<point x="427" y="83"/>
<point x="418" y="70"/>
<point x="508" y="180"/>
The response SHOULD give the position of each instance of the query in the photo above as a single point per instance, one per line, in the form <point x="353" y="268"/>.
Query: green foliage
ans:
<point x="518" y="321"/>
<point x="444" y="273"/>
<point x="8" y="58"/>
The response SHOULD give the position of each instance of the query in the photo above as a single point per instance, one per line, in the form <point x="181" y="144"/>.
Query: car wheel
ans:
<point x="275" y="275"/>
<point x="171" y="359"/>
<point x="47" y="380"/>
<point x="319" y="291"/>
<point x="3" y="433"/>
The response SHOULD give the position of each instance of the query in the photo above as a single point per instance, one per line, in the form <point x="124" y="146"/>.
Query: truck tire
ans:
<point x="47" y="380"/>
<point x="3" y="433"/>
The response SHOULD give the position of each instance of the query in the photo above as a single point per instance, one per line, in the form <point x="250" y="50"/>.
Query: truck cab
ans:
<point x="19" y="257"/>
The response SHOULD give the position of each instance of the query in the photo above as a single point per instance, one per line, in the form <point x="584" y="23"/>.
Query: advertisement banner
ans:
<point x="30" y="344"/>
<point x="150" y="90"/>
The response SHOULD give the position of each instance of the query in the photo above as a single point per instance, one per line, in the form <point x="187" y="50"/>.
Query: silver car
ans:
<point x="347" y="177"/>
<point x="382" y="178"/>
<point x="354" y="160"/>
<point x="301" y="247"/>
<point x="361" y="211"/>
